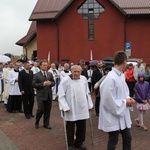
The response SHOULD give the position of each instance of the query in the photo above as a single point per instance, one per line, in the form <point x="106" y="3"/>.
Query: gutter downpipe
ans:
<point x="26" y="51"/>
<point x="58" y="41"/>
<point x="125" y="29"/>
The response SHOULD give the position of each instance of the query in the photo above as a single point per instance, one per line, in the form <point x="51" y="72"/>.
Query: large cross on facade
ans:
<point x="91" y="10"/>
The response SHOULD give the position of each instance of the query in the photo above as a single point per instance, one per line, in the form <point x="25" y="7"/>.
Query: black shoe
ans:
<point x="81" y="147"/>
<point x="28" y="117"/>
<point x="31" y="115"/>
<point x="36" y="125"/>
<point x="20" y="111"/>
<point x="71" y="148"/>
<point x="56" y="99"/>
<point x="47" y="127"/>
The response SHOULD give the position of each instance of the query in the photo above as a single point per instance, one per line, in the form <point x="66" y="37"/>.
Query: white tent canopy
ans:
<point x="4" y="59"/>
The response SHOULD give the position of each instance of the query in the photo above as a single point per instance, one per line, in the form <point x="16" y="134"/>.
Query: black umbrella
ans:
<point x="38" y="61"/>
<point x="108" y="61"/>
<point x="111" y="59"/>
<point x="93" y="63"/>
<point x="56" y="63"/>
<point x="65" y="59"/>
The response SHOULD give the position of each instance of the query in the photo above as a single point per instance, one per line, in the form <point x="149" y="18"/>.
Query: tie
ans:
<point x="102" y="72"/>
<point x="45" y="75"/>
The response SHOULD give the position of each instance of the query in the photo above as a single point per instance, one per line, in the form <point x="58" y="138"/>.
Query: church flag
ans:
<point x="91" y="55"/>
<point x="48" y="58"/>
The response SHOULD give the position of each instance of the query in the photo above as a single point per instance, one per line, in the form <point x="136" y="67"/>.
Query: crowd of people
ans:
<point x="116" y="90"/>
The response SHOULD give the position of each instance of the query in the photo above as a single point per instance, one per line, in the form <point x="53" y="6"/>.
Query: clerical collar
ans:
<point x="119" y="73"/>
<point x="16" y="70"/>
<point x="72" y="77"/>
<point x="66" y="71"/>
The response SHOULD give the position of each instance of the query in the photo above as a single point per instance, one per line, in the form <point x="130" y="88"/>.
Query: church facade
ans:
<point x="72" y="28"/>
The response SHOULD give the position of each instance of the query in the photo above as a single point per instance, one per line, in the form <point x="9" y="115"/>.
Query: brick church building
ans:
<point x="72" y="28"/>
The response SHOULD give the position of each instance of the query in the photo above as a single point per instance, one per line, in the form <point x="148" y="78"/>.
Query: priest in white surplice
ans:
<point x="114" y="116"/>
<point x="56" y="77"/>
<point x="14" y="101"/>
<point x="65" y="72"/>
<point x="75" y="100"/>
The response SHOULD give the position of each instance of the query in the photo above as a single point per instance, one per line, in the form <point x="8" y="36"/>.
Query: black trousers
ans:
<point x="131" y="88"/>
<point x="80" y="132"/>
<point x="97" y="101"/>
<point x="28" y="102"/>
<point x="91" y="88"/>
<point x="44" y="107"/>
<point x="113" y="139"/>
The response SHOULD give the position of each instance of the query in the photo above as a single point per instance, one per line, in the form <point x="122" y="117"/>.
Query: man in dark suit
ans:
<point x="96" y="76"/>
<point x="83" y="71"/>
<point x="25" y="84"/>
<point x="43" y="81"/>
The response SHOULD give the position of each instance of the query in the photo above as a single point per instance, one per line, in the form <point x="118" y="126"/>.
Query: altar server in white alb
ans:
<point x="115" y="105"/>
<point x="6" y="84"/>
<point x="75" y="100"/>
<point x="35" y="68"/>
<point x="65" y="72"/>
<point x="56" y="77"/>
<point x="1" y="81"/>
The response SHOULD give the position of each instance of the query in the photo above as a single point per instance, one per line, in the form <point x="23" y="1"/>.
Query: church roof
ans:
<point x="132" y="7"/>
<point x="48" y="9"/>
<point x="30" y="35"/>
<point x="51" y="9"/>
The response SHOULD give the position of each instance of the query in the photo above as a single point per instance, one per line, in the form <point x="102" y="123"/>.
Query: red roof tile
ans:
<point x="48" y="9"/>
<point x="30" y="35"/>
<point x="133" y="6"/>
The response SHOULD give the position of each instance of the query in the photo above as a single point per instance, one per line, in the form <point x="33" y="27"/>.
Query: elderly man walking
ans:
<point x="75" y="100"/>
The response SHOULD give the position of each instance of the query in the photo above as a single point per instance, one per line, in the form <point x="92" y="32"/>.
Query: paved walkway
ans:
<point x="18" y="133"/>
<point x="6" y="143"/>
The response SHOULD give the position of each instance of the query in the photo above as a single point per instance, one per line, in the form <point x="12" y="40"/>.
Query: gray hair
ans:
<point x="66" y="64"/>
<point x="53" y="64"/>
<point x="76" y="66"/>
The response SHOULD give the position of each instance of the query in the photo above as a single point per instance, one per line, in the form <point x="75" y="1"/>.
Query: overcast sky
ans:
<point x="14" y="23"/>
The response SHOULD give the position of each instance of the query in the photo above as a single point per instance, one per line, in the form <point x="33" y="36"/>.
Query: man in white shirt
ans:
<point x="56" y="77"/>
<point x="35" y="68"/>
<point x="114" y="116"/>
<point x="75" y="101"/>
<point x="90" y="72"/>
